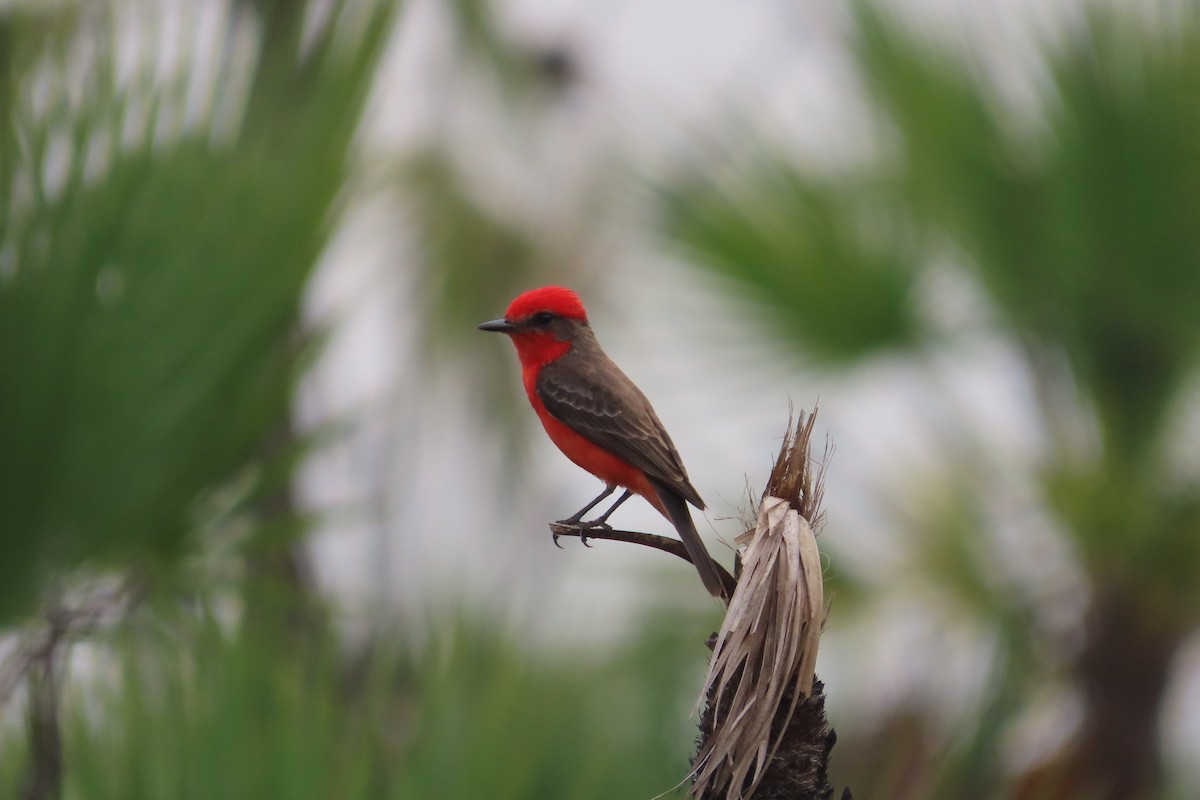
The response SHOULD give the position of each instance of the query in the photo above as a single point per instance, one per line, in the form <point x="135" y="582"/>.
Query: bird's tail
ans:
<point x="676" y="510"/>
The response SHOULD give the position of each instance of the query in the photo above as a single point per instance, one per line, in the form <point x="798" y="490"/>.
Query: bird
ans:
<point x="598" y="417"/>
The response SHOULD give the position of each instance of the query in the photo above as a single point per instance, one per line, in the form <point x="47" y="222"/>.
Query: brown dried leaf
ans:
<point x="766" y="651"/>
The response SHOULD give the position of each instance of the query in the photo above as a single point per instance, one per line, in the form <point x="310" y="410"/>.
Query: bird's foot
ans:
<point x="581" y="529"/>
<point x="594" y="525"/>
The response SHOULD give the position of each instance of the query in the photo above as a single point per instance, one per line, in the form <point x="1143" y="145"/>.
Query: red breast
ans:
<point x="604" y="465"/>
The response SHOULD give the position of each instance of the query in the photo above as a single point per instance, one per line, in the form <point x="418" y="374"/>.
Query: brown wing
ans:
<point x="596" y="400"/>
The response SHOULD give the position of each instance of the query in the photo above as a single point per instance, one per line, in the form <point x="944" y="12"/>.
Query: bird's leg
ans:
<point x="602" y="520"/>
<point x="573" y="520"/>
<point x="578" y="515"/>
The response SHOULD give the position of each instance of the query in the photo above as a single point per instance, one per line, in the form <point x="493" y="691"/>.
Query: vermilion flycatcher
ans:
<point x="598" y="417"/>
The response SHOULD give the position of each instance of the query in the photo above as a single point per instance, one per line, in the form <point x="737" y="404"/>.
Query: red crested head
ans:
<point x="553" y="299"/>
<point x="543" y="323"/>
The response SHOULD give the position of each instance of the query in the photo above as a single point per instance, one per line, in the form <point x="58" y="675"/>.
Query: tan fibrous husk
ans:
<point x="765" y="654"/>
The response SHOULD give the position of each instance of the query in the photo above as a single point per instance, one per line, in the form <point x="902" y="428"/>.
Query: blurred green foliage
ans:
<point x="1085" y="233"/>
<point x="149" y="349"/>
<point x="149" y="297"/>
<point x="1087" y="239"/>
<point x="151" y="266"/>
<point x="187" y="706"/>
<point x="832" y="264"/>
<point x="1079" y="223"/>
<point x="1082" y="226"/>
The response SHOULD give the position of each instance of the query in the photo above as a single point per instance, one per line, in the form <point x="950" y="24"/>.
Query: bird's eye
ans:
<point x="543" y="318"/>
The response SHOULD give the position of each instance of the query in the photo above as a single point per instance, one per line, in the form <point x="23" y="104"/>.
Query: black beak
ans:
<point x="498" y="326"/>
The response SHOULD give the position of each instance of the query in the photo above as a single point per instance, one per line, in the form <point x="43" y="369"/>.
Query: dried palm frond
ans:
<point x="765" y="654"/>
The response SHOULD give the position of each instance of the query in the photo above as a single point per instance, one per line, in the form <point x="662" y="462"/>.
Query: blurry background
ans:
<point x="272" y="511"/>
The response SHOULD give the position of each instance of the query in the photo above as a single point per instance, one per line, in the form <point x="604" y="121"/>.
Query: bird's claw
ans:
<point x="581" y="529"/>
<point x="598" y="525"/>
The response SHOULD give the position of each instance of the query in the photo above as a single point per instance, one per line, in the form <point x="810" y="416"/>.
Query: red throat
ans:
<point x="536" y="349"/>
